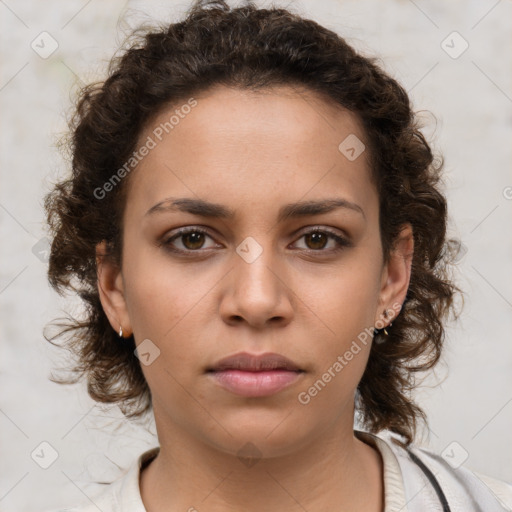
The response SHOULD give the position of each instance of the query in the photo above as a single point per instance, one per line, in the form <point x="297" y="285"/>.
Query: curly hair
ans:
<point x="250" y="48"/>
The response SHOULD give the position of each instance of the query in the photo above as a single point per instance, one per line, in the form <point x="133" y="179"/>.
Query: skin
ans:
<point x="254" y="153"/>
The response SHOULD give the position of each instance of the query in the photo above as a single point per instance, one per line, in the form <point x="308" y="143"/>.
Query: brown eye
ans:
<point x="188" y="240"/>
<point x="316" y="240"/>
<point x="193" y="240"/>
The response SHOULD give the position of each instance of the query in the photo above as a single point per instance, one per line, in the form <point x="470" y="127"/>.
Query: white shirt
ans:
<point x="407" y="487"/>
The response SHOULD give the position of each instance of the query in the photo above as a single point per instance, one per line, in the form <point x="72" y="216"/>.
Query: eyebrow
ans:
<point x="217" y="211"/>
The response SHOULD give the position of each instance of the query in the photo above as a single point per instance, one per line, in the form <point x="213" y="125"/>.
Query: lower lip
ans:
<point x="262" y="383"/>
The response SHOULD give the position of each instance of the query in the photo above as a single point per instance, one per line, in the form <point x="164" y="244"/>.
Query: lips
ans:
<point x="254" y="363"/>
<point x="252" y="375"/>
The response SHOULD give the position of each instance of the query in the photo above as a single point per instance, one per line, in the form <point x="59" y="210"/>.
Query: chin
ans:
<point x="268" y="435"/>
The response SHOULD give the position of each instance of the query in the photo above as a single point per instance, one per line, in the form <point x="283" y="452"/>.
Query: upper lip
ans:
<point x="253" y="363"/>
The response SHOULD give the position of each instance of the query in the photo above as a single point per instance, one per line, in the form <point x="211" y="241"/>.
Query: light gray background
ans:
<point x="471" y="97"/>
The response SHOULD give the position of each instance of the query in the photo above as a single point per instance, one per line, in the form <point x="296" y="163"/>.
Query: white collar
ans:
<point x="406" y="488"/>
<point x="123" y="495"/>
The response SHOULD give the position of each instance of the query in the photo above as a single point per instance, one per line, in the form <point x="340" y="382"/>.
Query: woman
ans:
<point x="255" y="224"/>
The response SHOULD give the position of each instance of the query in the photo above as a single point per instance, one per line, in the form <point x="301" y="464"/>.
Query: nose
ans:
<point x="257" y="292"/>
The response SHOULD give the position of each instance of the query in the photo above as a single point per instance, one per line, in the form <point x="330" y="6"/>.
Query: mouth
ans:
<point x="255" y="375"/>
<point x="254" y="363"/>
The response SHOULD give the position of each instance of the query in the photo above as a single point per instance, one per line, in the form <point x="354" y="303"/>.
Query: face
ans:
<point x="276" y="250"/>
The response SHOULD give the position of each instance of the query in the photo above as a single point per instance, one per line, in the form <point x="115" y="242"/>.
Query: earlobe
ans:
<point x="397" y="273"/>
<point x="111" y="292"/>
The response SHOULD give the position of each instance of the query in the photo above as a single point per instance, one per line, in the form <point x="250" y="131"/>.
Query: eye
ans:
<point x="317" y="240"/>
<point x="190" y="239"/>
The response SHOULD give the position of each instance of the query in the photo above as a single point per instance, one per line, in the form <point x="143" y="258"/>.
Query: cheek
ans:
<point x="154" y="305"/>
<point x="343" y="298"/>
<point x="343" y="308"/>
<point x="342" y="347"/>
<point x="161" y="306"/>
<point x="166" y="303"/>
<point x="160" y="293"/>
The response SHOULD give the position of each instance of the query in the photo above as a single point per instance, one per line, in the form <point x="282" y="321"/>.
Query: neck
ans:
<point x="331" y="472"/>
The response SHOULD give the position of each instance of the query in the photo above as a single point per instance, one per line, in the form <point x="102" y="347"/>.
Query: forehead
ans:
<point x="282" y="116"/>
<point x="240" y="145"/>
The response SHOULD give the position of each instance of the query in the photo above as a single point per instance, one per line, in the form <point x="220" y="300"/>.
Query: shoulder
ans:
<point x="501" y="489"/>
<point x="106" y="500"/>
<point x="122" y="495"/>
<point x="464" y="489"/>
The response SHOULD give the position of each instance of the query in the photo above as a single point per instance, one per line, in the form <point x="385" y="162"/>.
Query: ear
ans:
<point x="111" y="291"/>
<point x="396" y="276"/>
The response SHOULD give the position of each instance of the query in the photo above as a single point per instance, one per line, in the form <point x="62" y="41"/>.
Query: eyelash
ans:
<point x="342" y="242"/>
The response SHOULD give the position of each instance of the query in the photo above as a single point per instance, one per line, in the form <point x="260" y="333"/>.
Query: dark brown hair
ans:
<point x="250" y="48"/>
